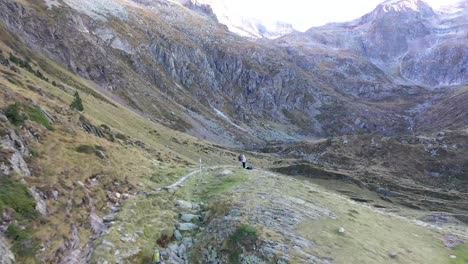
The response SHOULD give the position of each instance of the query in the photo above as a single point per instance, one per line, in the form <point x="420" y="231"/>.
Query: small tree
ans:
<point x="77" y="104"/>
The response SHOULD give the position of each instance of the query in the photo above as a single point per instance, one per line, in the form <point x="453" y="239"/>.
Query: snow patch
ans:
<point x="52" y="3"/>
<point x="100" y="9"/>
<point x="398" y="5"/>
<point x="225" y="117"/>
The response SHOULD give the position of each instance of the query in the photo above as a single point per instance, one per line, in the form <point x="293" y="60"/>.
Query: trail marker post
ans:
<point x="200" y="167"/>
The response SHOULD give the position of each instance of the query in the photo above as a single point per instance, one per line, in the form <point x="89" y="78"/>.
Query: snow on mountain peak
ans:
<point x="403" y="5"/>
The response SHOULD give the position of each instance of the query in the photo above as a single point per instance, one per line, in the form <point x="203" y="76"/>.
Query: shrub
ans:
<point x="16" y="196"/>
<point x="245" y="233"/>
<point x="77" y="104"/>
<point x="13" y="58"/>
<point x="14" y="114"/>
<point x="87" y="149"/>
<point x="245" y="238"/>
<point x="24" y="244"/>
<point x="121" y="136"/>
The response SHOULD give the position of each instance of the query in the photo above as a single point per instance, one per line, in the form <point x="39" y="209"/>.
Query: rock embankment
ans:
<point x="190" y="217"/>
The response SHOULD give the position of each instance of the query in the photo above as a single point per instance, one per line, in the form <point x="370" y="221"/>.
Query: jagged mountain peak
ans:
<point x="403" y="6"/>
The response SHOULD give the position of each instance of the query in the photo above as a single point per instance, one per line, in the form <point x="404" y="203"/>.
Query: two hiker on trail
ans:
<point x="243" y="160"/>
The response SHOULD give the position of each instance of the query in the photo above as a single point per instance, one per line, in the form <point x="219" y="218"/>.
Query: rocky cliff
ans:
<point x="326" y="81"/>
<point x="406" y="39"/>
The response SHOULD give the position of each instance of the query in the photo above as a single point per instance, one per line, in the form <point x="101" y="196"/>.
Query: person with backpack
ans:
<point x="156" y="257"/>
<point x="243" y="160"/>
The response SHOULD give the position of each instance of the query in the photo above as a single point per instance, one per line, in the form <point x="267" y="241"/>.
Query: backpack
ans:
<point x="249" y="168"/>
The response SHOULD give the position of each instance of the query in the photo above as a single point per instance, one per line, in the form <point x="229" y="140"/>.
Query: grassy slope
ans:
<point x="370" y="234"/>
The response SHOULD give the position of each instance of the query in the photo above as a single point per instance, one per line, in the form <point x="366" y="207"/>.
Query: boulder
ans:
<point x="178" y="235"/>
<point x="188" y="242"/>
<point x="189" y="217"/>
<point x="187" y="226"/>
<point x="184" y="204"/>
<point x="101" y="154"/>
<point x="110" y="218"/>
<point x="6" y="256"/>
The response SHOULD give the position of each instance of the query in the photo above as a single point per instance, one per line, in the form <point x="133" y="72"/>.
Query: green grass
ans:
<point x="209" y="184"/>
<point x="16" y="196"/>
<point x="224" y="185"/>
<point x="462" y="255"/>
<point x="18" y="113"/>
<point x="36" y="115"/>
<point x="24" y="244"/>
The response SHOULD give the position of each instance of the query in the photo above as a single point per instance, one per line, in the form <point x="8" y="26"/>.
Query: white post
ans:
<point x="200" y="166"/>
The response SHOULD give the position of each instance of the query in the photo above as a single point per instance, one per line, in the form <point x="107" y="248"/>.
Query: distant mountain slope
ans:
<point x="244" y="25"/>
<point x="405" y="38"/>
<point x="178" y="65"/>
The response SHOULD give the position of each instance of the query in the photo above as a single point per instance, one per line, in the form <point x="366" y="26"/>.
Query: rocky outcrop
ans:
<point x="12" y="152"/>
<point x="6" y="256"/>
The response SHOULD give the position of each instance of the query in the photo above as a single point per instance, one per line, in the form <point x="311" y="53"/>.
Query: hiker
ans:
<point x="156" y="257"/>
<point x="242" y="159"/>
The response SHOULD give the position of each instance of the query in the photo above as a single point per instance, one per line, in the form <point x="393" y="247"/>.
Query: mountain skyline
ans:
<point x="301" y="15"/>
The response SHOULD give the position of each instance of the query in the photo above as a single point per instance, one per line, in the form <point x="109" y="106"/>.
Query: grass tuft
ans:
<point x="462" y="255"/>
<point x="24" y="244"/>
<point x="86" y="149"/>
<point x="15" y="195"/>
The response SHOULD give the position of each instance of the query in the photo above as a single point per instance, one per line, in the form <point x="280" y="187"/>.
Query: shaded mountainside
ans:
<point x="160" y="55"/>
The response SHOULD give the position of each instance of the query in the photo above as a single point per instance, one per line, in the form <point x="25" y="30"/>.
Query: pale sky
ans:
<point x="304" y="14"/>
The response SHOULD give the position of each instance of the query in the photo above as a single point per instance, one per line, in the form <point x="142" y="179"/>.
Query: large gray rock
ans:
<point x="6" y="256"/>
<point x="14" y="150"/>
<point x="184" y="204"/>
<point x="189" y="217"/>
<point x="178" y="235"/>
<point x="41" y="205"/>
<point x="187" y="226"/>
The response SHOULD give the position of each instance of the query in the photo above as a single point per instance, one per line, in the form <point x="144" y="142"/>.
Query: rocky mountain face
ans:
<point x="305" y="80"/>
<point x="406" y="39"/>
<point x="245" y="26"/>
<point x="158" y="55"/>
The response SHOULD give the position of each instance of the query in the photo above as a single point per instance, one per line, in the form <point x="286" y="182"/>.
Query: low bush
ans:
<point x="15" y="115"/>
<point x="87" y="149"/>
<point x="244" y="239"/>
<point x="245" y="233"/>
<point x="24" y="244"/>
